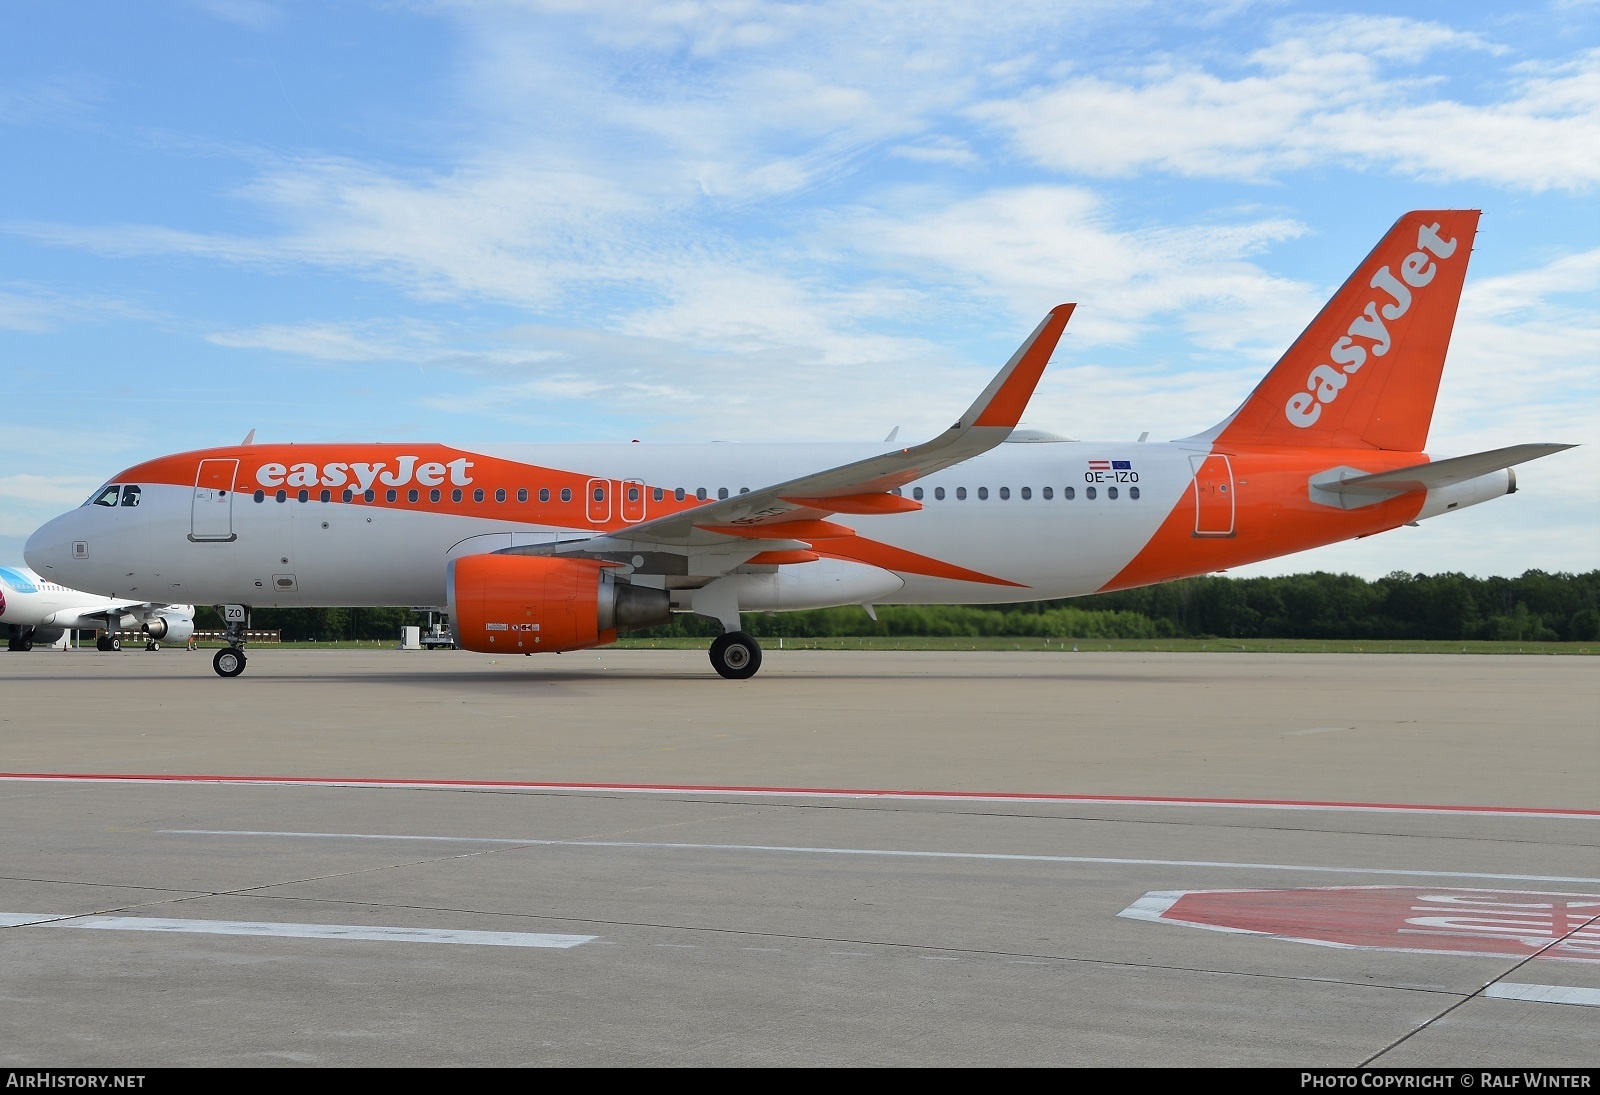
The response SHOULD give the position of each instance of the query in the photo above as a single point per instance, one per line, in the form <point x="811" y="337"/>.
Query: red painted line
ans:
<point x="808" y="792"/>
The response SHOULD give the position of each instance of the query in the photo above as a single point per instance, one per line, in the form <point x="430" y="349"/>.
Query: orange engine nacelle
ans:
<point x="527" y="604"/>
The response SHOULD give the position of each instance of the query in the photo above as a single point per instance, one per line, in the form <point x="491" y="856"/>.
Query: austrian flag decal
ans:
<point x="1111" y="471"/>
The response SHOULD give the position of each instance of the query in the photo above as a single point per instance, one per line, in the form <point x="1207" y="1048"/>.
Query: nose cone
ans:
<point x="49" y="549"/>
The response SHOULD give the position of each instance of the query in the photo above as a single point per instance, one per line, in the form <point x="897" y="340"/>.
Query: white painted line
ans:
<point x="324" y="931"/>
<point x="17" y="920"/>
<point x="894" y="852"/>
<point x="1544" y="994"/>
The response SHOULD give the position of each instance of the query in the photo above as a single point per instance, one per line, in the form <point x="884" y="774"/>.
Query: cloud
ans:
<point x="940" y="150"/>
<point x="1320" y="96"/>
<point x="330" y="341"/>
<point x="255" y="15"/>
<point x="1034" y="247"/>
<point x="61" y="100"/>
<point x="37" y="309"/>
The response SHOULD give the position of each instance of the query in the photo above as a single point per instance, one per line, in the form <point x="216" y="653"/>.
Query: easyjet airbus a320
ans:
<point x="544" y="548"/>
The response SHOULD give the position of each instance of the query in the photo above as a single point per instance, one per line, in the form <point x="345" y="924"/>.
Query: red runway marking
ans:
<point x="811" y="792"/>
<point x="1413" y="919"/>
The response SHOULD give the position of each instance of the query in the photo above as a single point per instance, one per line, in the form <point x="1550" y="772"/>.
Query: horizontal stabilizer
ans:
<point x="1439" y="473"/>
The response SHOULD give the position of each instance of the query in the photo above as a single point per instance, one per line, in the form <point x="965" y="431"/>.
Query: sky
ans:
<point x="471" y="221"/>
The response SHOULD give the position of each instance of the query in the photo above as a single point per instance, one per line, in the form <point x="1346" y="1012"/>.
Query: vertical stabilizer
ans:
<point x="1366" y="371"/>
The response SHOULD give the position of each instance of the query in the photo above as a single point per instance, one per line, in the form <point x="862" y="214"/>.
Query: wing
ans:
<point x="788" y="515"/>
<point x="108" y="615"/>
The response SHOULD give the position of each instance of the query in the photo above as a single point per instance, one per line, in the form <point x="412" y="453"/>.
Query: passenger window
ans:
<point x="633" y="494"/>
<point x="455" y="495"/>
<point x="1027" y="493"/>
<point x="348" y="494"/>
<point x="522" y="494"/>
<point x="1111" y="492"/>
<point x="983" y="494"/>
<point x="1046" y="493"/>
<point x="722" y="492"/>
<point x="700" y="493"/>
<point x="916" y="493"/>
<point x="1133" y="493"/>
<point x="746" y="490"/>
<point x="678" y="494"/>
<point x="599" y="494"/>
<point x="477" y="494"/>
<point x="282" y="496"/>
<point x="108" y="497"/>
<point x="261" y="496"/>
<point x="1069" y="493"/>
<point x="544" y="494"/>
<point x="938" y="494"/>
<point x="895" y="491"/>
<point x="325" y="496"/>
<point x="499" y="494"/>
<point x="1005" y="494"/>
<point x="369" y="495"/>
<point x="390" y="495"/>
<point x="130" y="496"/>
<point x="961" y="494"/>
<point x="433" y="495"/>
<point x="411" y="495"/>
<point x="304" y="496"/>
<point x="566" y="494"/>
<point x="1088" y="492"/>
<point x="658" y="494"/>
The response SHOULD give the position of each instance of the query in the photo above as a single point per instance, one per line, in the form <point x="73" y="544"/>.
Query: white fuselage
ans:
<point x="1005" y="514"/>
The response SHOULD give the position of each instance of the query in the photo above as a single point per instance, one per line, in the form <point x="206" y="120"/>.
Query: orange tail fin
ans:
<point x="1366" y="371"/>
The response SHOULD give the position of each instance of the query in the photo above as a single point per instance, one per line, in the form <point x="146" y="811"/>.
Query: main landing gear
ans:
<point x="230" y="660"/>
<point x="736" y="655"/>
<point x="21" y="642"/>
<point x="107" y="641"/>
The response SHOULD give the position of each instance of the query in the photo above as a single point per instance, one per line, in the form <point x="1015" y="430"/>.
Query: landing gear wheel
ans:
<point x="116" y="643"/>
<point x="152" y="645"/>
<point x="736" y="655"/>
<point x="228" y="662"/>
<point x="108" y="642"/>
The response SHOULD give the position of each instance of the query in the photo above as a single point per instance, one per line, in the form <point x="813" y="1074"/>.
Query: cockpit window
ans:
<point x="108" y="497"/>
<point x="130" y="495"/>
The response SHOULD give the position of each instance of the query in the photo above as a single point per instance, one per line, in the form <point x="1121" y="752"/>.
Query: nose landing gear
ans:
<point x="230" y="660"/>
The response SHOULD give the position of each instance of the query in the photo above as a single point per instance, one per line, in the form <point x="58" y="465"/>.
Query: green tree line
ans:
<point x="1534" y="607"/>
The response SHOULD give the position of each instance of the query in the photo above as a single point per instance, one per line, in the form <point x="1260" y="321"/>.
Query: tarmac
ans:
<point x="445" y="859"/>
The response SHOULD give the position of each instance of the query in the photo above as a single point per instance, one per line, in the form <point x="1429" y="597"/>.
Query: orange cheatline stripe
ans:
<point x="783" y="558"/>
<point x="876" y="553"/>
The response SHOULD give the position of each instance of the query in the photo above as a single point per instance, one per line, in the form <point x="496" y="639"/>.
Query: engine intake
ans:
<point x="528" y="604"/>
